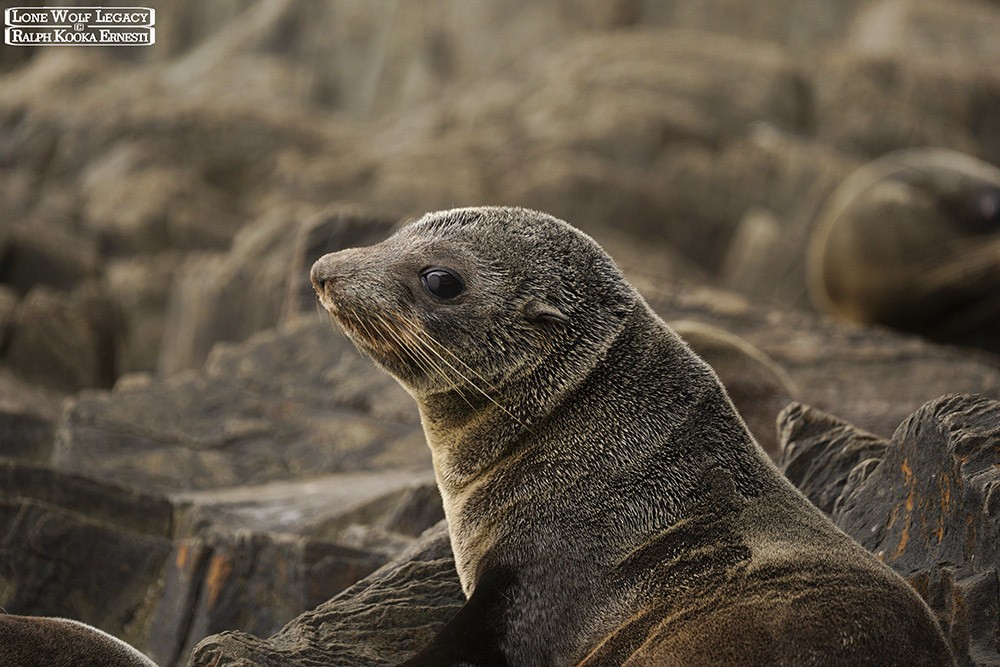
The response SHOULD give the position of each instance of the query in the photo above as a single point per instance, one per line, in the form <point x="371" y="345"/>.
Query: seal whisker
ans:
<point x="473" y="384"/>
<point x="964" y="266"/>
<point x="424" y="360"/>
<point x="471" y="370"/>
<point x="418" y="347"/>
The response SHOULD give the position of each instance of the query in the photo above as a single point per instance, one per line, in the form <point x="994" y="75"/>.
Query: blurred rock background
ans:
<point x="187" y="448"/>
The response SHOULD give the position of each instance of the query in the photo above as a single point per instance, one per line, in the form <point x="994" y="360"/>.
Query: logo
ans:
<point x="79" y="26"/>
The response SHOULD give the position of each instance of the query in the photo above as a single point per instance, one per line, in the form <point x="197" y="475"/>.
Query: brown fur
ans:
<point x="35" y="641"/>
<point x="606" y="503"/>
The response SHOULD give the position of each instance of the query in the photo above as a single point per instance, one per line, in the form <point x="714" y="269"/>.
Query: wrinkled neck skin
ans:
<point x="595" y="466"/>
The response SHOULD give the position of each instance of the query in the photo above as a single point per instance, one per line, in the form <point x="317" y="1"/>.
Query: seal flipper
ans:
<point x="475" y="634"/>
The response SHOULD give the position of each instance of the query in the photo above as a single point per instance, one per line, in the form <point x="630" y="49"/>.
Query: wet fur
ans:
<point x="606" y="504"/>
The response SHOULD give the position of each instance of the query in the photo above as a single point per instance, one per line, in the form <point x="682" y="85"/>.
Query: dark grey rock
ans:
<point x="924" y="502"/>
<point x="318" y="507"/>
<point x="108" y="504"/>
<point x="252" y="558"/>
<point x="255" y="582"/>
<point x="28" y="415"/>
<point x="934" y="497"/>
<point x="46" y="255"/>
<point x="8" y="304"/>
<point x="381" y="620"/>
<point x="77" y="549"/>
<point x="271" y="409"/>
<point x="820" y="453"/>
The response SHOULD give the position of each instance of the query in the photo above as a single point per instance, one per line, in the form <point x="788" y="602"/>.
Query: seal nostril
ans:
<point x="319" y="277"/>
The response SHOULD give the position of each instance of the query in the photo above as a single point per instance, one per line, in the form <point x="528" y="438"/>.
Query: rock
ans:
<point x="820" y="453"/>
<point x="960" y="32"/>
<point x="134" y="511"/>
<point x="252" y="558"/>
<point x="602" y="135"/>
<point x="135" y="203"/>
<point x="8" y="306"/>
<point x="381" y="620"/>
<point x="758" y="387"/>
<point x="801" y="26"/>
<point x="140" y="286"/>
<point x="47" y="254"/>
<point x="259" y="282"/>
<point x="64" y="340"/>
<point x="79" y="549"/>
<point x="317" y="507"/>
<point x="255" y="582"/>
<point x="28" y="414"/>
<point x="924" y="502"/>
<point x="873" y="104"/>
<point x="934" y="496"/>
<point x="284" y="405"/>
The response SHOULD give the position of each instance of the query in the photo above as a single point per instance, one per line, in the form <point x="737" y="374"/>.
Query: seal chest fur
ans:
<point x="606" y="504"/>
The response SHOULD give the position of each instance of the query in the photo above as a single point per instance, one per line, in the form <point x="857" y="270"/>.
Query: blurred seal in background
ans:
<point x="912" y="240"/>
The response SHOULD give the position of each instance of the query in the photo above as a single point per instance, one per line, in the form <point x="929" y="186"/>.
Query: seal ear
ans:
<point x="539" y="311"/>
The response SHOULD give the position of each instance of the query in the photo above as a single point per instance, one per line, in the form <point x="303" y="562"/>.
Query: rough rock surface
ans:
<point x="924" y="502"/>
<point x="275" y="408"/>
<point x="820" y="452"/>
<point x="79" y="549"/>
<point x="381" y="620"/>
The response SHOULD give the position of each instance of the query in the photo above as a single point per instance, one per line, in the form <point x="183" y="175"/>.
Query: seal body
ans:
<point x="606" y="503"/>
<point x="37" y="641"/>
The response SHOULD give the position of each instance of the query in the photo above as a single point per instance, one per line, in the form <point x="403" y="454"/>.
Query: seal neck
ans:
<point x="470" y="431"/>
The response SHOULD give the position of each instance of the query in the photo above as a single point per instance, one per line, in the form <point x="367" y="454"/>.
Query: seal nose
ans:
<point x="321" y="274"/>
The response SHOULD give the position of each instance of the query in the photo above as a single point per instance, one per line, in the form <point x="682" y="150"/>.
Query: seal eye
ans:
<point x="988" y="206"/>
<point x="442" y="283"/>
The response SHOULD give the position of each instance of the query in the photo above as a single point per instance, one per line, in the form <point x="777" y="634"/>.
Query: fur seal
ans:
<point x="30" y="641"/>
<point x="912" y="240"/>
<point x="605" y="502"/>
<point x="758" y="387"/>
